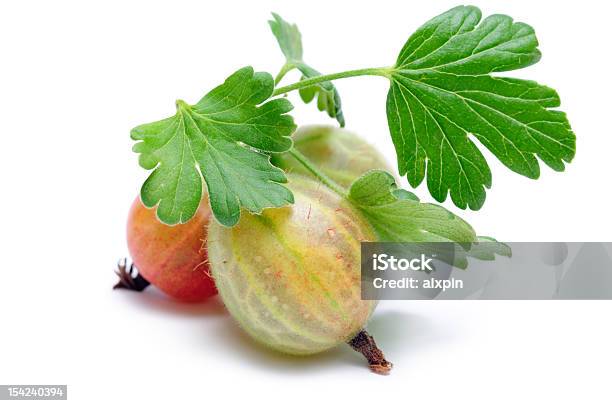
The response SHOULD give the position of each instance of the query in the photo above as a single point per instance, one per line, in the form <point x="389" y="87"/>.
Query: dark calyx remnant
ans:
<point x="365" y="344"/>
<point x="129" y="278"/>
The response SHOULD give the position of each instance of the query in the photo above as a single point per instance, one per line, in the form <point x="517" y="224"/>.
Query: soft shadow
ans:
<point x="396" y="333"/>
<point x="153" y="299"/>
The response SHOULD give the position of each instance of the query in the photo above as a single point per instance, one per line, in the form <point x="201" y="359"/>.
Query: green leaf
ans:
<point x="224" y="138"/>
<point x="442" y="91"/>
<point x="397" y="216"/>
<point x="288" y="37"/>
<point x="486" y="248"/>
<point x="327" y="100"/>
<point x="290" y="42"/>
<point x="399" y="219"/>
<point x="403" y="194"/>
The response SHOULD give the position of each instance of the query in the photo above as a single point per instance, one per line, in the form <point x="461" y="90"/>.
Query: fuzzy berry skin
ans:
<point x="291" y="276"/>
<point x="338" y="153"/>
<point x="172" y="258"/>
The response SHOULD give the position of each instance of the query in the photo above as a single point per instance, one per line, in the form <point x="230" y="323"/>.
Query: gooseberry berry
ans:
<point x="172" y="258"/>
<point x="338" y="153"/>
<point x="291" y="276"/>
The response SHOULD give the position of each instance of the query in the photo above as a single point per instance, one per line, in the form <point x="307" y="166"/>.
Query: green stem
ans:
<point x="286" y="68"/>
<point x="340" y="75"/>
<point x="312" y="168"/>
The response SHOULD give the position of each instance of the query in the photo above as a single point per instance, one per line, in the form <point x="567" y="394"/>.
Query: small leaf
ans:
<point x="399" y="219"/>
<point x="290" y="42"/>
<point x="486" y="248"/>
<point x="442" y="91"/>
<point x="403" y="194"/>
<point x="224" y="138"/>
<point x="327" y="100"/>
<point x="288" y="37"/>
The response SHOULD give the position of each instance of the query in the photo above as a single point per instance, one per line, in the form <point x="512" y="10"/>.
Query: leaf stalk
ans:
<point x="312" y="168"/>
<point x="286" y="68"/>
<point x="340" y="75"/>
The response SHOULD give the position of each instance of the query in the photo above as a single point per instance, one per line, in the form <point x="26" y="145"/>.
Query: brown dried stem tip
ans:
<point x="129" y="278"/>
<point x="365" y="344"/>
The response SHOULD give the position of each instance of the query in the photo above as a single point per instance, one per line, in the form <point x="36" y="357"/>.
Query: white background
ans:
<point x="75" y="77"/>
